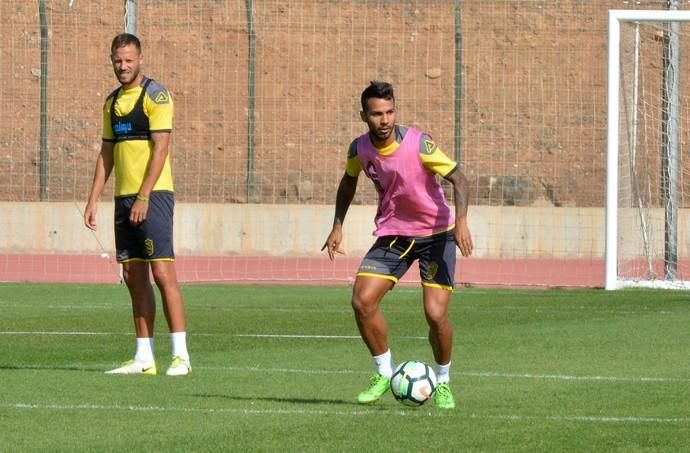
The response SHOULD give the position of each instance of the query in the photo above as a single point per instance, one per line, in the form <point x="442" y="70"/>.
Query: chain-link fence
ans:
<point x="267" y="92"/>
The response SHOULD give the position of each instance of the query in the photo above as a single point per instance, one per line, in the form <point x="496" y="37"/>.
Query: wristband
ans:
<point x="144" y="199"/>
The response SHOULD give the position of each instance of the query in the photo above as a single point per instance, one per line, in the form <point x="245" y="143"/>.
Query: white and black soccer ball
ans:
<point x="413" y="383"/>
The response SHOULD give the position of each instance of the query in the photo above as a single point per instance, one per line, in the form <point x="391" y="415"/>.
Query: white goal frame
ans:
<point x="616" y="17"/>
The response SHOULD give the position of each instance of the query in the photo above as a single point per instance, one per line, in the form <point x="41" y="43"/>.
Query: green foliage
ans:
<point x="278" y="369"/>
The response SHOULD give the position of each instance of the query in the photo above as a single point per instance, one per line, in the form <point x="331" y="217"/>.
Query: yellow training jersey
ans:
<point x="129" y="115"/>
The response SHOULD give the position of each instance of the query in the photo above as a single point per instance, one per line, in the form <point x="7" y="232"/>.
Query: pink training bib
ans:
<point x="411" y="200"/>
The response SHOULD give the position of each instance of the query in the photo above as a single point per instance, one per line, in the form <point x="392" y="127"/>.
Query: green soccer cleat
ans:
<point x="443" y="398"/>
<point x="379" y="385"/>
<point x="179" y="367"/>
<point x="135" y="367"/>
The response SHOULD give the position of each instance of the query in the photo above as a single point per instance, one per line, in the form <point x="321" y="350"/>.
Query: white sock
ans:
<point x="179" y="344"/>
<point x="442" y="373"/>
<point x="144" y="350"/>
<point x="384" y="363"/>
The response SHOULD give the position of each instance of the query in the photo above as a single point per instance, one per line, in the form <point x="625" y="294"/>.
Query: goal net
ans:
<point x="648" y="114"/>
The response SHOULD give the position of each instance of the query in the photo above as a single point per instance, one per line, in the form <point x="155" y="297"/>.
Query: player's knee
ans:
<point x="436" y="316"/>
<point x="363" y="307"/>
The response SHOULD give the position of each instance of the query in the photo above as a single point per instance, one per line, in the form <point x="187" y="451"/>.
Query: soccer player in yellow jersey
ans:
<point x="137" y="122"/>
<point x="413" y="223"/>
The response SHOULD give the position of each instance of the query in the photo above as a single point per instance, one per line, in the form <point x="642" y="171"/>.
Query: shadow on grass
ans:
<point x="10" y="367"/>
<point x="275" y="399"/>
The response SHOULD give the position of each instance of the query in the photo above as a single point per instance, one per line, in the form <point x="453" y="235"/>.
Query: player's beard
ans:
<point x="383" y="135"/>
<point x="125" y="78"/>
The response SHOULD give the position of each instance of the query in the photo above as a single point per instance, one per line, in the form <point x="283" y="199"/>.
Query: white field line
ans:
<point x="369" y="412"/>
<point x="565" y="377"/>
<point x="20" y="333"/>
<point x="316" y="337"/>
<point x="588" y="418"/>
<point x="69" y="407"/>
<point x="556" y="377"/>
<point x="246" y="335"/>
<point x="479" y="374"/>
<point x="390" y="308"/>
<point x="315" y="372"/>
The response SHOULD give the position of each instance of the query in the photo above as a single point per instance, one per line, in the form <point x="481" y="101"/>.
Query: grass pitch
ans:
<point x="278" y="369"/>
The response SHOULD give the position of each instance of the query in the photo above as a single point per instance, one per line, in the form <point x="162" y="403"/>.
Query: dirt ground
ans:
<point x="529" y="126"/>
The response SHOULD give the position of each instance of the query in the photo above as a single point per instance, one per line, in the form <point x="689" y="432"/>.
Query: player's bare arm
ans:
<point x="104" y="166"/>
<point x="346" y="193"/>
<point x="140" y="207"/>
<point x="461" y="190"/>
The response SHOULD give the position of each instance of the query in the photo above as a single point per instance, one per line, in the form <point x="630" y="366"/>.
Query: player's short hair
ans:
<point x="125" y="39"/>
<point x="379" y="90"/>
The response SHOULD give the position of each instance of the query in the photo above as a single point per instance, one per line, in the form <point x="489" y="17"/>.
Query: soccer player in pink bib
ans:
<point x="413" y="222"/>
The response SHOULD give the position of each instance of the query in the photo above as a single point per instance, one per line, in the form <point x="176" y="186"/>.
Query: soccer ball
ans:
<point x="413" y="383"/>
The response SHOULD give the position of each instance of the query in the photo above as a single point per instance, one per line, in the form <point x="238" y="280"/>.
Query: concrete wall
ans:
<point x="300" y="230"/>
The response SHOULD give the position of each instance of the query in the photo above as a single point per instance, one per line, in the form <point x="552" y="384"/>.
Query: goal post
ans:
<point x="645" y="166"/>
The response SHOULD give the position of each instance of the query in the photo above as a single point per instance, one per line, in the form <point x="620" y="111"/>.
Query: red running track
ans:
<point x="302" y="270"/>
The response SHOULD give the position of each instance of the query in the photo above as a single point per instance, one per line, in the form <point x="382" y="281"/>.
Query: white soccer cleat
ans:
<point x="135" y="367"/>
<point x="179" y="367"/>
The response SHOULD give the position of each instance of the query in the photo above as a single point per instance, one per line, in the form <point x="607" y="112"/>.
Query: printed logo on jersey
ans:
<point x="370" y="171"/>
<point x="429" y="146"/>
<point x="148" y="245"/>
<point x="161" y="98"/>
<point x="122" y="128"/>
<point x="430" y="273"/>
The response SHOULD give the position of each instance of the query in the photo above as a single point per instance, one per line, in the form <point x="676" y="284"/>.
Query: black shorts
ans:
<point x="391" y="256"/>
<point x="153" y="239"/>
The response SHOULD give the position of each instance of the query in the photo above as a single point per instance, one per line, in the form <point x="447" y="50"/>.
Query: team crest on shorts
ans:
<point x="431" y="272"/>
<point x="148" y="244"/>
